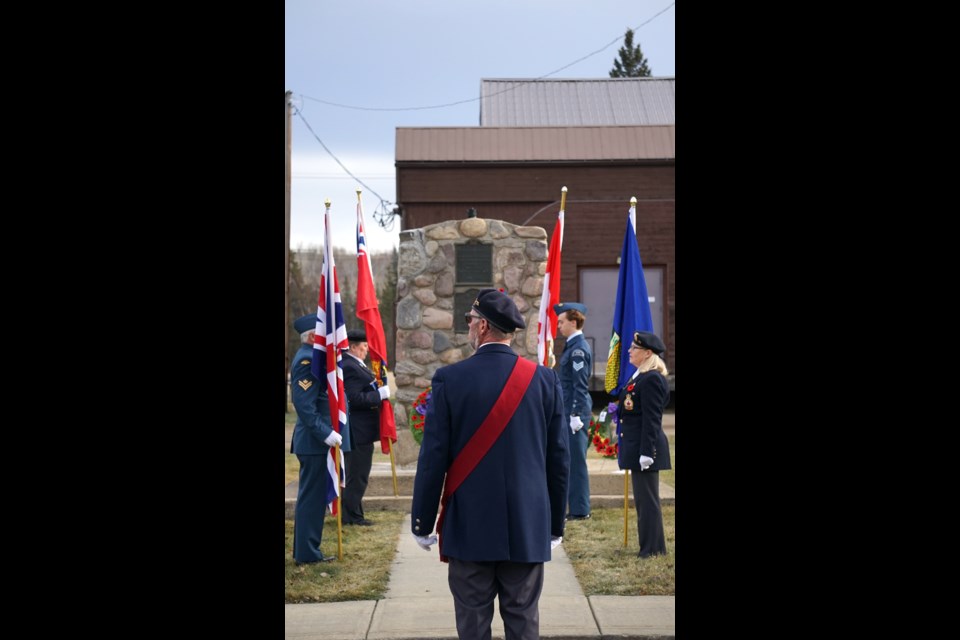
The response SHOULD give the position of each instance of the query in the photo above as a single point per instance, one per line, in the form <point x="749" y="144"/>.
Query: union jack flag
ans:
<point x="329" y="338"/>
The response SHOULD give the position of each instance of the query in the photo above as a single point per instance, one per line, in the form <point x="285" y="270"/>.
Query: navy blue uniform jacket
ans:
<point x="641" y="426"/>
<point x="515" y="498"/>
<point x="364" y="401"/>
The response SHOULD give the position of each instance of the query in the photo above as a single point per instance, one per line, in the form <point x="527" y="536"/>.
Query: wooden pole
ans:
<point x="626" y="483"/>
<point x="393" y="468"/>
<point x="339" y="507"/>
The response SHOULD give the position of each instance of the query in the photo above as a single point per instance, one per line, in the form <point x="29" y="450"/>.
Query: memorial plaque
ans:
<point x="462" y="302"/>
<point x="474" y="264"/>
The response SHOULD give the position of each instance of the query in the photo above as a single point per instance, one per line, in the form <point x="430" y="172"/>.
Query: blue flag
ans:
<point x="632" y="312"/>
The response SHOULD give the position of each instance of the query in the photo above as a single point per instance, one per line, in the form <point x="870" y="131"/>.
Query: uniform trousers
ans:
<point x="474" y="586"/>
<point x="311" y="508"/>
<point x="646" y="498"/>
<point x="578" y="491"/>
<point x="358" y="461"/>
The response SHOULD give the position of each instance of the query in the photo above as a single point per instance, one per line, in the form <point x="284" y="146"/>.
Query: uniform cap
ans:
<point x="647" y="340"/>
<point x="498" y="309"/>
<point x="305" y="323"/>
<point x="569" y="306"/>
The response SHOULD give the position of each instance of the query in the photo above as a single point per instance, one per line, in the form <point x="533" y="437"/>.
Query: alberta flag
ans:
<point x="330" y="338"/>
<point x="368" y="310"/>
<point x="632" y="312"/>
<point x="547" y="321"/>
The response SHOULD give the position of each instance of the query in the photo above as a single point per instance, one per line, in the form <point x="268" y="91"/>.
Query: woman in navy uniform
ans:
<point x="643" y="447"/>
<point x="312" y="438"/>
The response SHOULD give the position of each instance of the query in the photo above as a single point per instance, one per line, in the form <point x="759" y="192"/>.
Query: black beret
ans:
<point x="357" y="335"/>
<point x="498" y="309"/>
<point x="647" y="340"/>
<point x="305" y="323"/>
<point x="569" y="306"/>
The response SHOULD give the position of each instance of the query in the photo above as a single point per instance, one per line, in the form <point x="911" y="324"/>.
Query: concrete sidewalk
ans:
<point x="418" y="604"/>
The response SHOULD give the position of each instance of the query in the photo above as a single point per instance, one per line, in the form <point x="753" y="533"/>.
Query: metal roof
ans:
<point x="577" y="102"/>
<point x="522" y="144"/>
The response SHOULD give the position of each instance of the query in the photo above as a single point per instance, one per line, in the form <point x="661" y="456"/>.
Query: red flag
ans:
<point x="329" y="339"/>
<point x="547" y="329"/>
<point x="368" y="310"/>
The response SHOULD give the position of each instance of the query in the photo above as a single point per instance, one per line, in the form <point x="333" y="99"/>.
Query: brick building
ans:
<point x="606" y="140"/>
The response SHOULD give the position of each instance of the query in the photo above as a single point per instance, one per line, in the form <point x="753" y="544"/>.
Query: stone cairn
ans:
<point x="429" y="333"/>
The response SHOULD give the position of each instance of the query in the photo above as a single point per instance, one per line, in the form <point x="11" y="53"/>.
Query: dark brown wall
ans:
<point x="598" y="199"/>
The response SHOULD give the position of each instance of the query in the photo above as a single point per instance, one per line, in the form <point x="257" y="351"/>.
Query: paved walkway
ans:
<point x="418" y="603"/>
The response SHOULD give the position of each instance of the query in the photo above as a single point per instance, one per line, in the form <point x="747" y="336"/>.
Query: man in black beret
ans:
<point x="312" y="438"/>
<point x="363" y="407"/>
<point x="506" y="512"/>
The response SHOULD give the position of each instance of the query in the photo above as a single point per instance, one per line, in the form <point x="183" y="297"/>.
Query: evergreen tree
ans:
<point x="631" y="64"/>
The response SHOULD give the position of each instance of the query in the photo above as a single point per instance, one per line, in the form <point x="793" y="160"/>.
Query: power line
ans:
<point x="458" y="102"/>
<point x="382" y="215"/>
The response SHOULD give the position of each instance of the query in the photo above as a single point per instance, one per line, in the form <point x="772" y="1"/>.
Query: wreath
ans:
<point x="602" y="431"/>
<point x="418" y="413"/>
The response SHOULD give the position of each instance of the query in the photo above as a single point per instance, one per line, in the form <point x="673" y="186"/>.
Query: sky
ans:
<point x="392" y="63"/>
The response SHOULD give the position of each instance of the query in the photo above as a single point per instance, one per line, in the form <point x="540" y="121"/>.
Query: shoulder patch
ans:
<point x="305" y="384"/>
<point x="578" y="352"/>
<point x="304" y="362"/>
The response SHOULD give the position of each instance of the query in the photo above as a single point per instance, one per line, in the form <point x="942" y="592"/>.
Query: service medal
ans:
<point x="628" y="402"/>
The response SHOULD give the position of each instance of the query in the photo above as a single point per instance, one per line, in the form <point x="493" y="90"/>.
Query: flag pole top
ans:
<point x="633" y="201"/>
<point x="563" y="198"/>
<point x="358" y="194"/>
<point x="326" y="203"/>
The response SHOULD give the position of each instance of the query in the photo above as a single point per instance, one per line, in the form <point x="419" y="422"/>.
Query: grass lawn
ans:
<point x="361" y="575"/>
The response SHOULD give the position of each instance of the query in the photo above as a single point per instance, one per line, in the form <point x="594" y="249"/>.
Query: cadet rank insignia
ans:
<point x="628" y="402"/>
<point x="306" y="384"/>
<point x="304" y="362"/>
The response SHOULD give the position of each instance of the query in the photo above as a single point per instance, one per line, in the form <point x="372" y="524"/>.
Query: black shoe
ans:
<point x="360" y="523"/>
<point x="586" y="517"/>
<point x="322" y="559"/>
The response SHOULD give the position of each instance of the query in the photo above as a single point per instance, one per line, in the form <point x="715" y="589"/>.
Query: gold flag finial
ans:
<point x="563" y="198"/>
<point x="326" y="203"/>
<point x="358" y="194"/>
<point x="633" y="201"/>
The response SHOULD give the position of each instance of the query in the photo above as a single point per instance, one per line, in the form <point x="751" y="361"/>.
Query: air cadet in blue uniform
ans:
<point x="503" y="520"/>
<point x="576" y="366"/>
<point x="312" y="438"/>
<point x="644" y="448"/>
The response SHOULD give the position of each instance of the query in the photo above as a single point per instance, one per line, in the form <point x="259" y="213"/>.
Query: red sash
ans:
<point x="485" y="435"/>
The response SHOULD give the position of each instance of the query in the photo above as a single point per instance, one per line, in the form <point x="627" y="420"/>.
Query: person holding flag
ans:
<point x="576" y="367"/>
<point x="364" y="398"/>
<point x="313" y="437"/>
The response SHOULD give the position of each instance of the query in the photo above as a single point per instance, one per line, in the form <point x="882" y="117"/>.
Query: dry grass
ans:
<point x="361" y="575"/>
<point x="604" y="567"/>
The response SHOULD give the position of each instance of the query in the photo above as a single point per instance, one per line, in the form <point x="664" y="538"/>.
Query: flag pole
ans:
<point x="626" y="478"/>
<point x="381" y="374"/>
<point x="563" y="198"/>
<point x="339" y="509"/>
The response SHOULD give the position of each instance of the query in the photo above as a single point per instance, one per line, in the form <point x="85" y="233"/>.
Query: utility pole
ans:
<point x="288" y="138"/>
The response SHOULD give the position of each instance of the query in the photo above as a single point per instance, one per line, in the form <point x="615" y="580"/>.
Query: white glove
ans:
<point x="384" y="392"/>
<point x="575" y="424"/>
<point x="425" y="541"/>
<point x="333" y="439"/>
<point x="555" y="542"/>
<point x="645" y="461"/>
